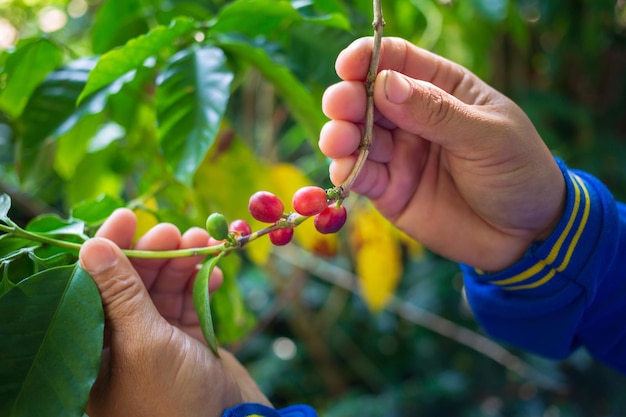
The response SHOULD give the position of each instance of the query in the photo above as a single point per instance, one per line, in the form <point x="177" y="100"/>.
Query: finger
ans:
<point x="345" y="101"/>
<point x="127" y="305"/>
<point x="175" y="278"/>
<point x="175" y="274"/>
<point x="426" y="110"/>
<point x="119" y="227"/>
<point x="400" y="55"/>
<point x="163" y="236"/>
<point x="339" y="139"/>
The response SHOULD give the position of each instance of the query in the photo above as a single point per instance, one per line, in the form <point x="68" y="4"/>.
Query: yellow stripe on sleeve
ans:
<point x="547" y="262"/>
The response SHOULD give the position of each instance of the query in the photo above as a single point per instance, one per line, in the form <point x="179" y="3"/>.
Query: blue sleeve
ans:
<point x="568" y="291"/>
<point x="259" y="410"/>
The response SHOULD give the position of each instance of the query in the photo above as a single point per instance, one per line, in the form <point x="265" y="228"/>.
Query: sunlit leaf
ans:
<point x="50" y="348"/>
<point x="378" y="258"/>
<point x="25" y="69"/>
<point x="201" y="300"/>
<point x="255" y="17"/>
<point x="133" y="55"/>
<point x="192" y="95"/>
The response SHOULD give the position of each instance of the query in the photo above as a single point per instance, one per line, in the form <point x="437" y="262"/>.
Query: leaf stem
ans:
<point x="366" y="141"/>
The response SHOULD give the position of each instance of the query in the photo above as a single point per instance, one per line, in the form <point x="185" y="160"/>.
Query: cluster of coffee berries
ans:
<point x="307" y="201"/>
<point x="268" y="208"/>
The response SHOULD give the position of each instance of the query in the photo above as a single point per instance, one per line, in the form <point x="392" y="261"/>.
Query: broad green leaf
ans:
<point x="50" y="348"/>
<point x="115" y="22"/>
<point x="233" y="319"/>
<point x="72" y="146"/>
<point x="192" y="95"/>
<point x="117" y="62"/>
<point x="51" y="109"/>
<point x="25" y="69"/>
<point x="51" y="116"/>
<point x="271" y="18"/>
<point x="53" y="225"/>
<point x="255" y="17"/>
<point x="306" y="108"/>
<point x="201" y="301"/>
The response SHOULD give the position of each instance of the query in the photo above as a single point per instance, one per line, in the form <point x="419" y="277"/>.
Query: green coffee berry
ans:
<point x="217" y="226"/>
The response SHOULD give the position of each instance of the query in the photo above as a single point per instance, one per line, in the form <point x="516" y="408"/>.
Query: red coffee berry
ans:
<point x="240" y="227"/>
<point x="331" y="219"/>
<point x="282" y="236"/>
<point x="309" y="200"/>
<point x="265" y="207"/>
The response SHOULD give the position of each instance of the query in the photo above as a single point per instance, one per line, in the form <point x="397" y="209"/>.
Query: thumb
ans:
<point x="127" y="305"/>
<point x="424" y="109"/>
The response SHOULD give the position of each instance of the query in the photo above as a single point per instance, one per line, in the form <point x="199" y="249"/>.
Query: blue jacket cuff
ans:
<point x="538" y="303"/>
<point x="259" y="410"/>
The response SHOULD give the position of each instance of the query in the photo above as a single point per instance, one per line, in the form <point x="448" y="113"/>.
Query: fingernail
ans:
<point x="397" y="87"/>
<point x="97" y="256"/>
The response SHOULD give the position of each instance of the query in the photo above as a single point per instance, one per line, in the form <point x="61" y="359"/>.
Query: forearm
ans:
<point x="554" y="299"/>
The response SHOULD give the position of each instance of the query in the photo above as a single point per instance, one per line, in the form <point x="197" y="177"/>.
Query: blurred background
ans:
<point x="316" y="321"/>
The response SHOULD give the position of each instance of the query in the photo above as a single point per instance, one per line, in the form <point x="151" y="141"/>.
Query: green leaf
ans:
<point x="13" y="247"/>
<point x="51" y="116"/>
<point x="25" y="69"/>
<point x="201" y="301"/>
<point x="305" y="108"/>
<point x="50" y="109"/>
<point x="94" y="212"/>
<point x="133" y="54"/>
<point x="192" y="96"/>
<point x="50" y="348"/>
<point x="116" y="22"/>
<point x="255" y="17"/>
<point x="51" y="224"/>
<point x="233" y="319"/>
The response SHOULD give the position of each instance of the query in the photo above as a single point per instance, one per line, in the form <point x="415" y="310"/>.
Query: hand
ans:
<point x="155" y="362"/>
<point x="453" y="163"/>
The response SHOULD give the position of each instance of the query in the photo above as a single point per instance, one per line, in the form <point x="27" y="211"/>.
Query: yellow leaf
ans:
<point x="288" y="179"/>
<point x="378" y="256"/>
<point x="146" y="219"/>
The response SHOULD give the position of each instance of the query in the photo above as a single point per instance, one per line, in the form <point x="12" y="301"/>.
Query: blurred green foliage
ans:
<point x="562" y="61"/>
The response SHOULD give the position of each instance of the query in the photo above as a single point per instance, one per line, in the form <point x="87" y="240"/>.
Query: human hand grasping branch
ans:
<point x="453" y="162"/>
